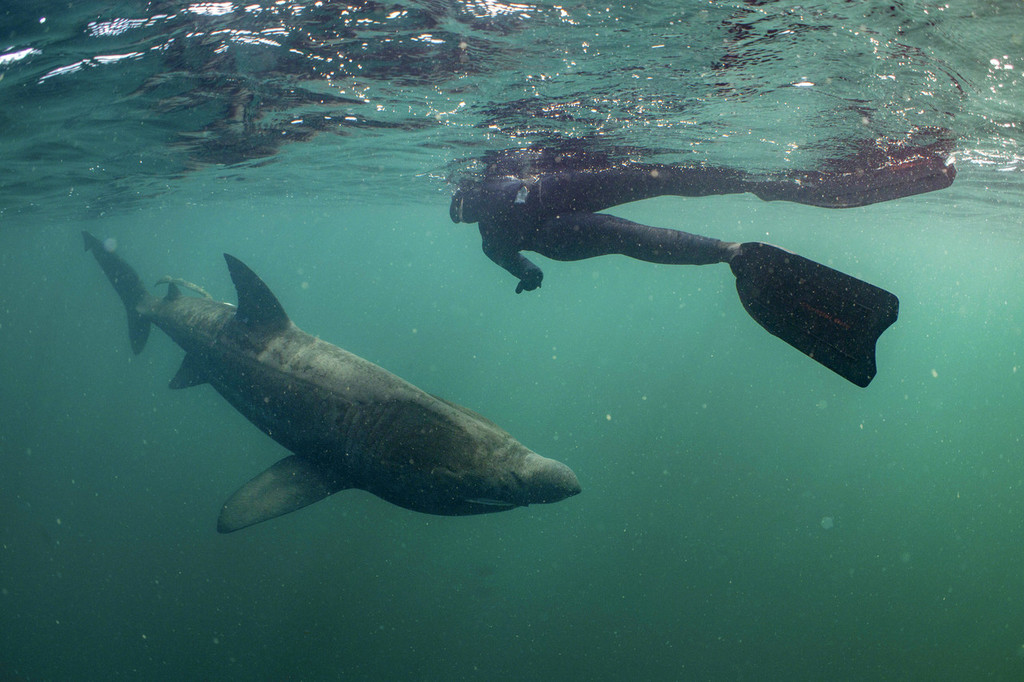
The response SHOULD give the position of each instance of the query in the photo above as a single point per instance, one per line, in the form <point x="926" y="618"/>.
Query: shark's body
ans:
<point x="348" y="422"/>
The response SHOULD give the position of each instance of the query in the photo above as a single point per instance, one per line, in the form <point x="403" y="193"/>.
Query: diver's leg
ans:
<point x="576" y="236"/>
<point x="880" y="171"/>
<point x="590" y="191"/>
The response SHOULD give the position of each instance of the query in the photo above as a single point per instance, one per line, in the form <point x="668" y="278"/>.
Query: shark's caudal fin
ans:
<point x="128" y="286"/>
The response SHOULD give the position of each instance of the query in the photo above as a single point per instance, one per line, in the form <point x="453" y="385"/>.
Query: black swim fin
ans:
<point x="829" y="316"/>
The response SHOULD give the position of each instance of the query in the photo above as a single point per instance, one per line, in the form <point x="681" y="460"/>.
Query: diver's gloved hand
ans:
<point x="531" y="281"/>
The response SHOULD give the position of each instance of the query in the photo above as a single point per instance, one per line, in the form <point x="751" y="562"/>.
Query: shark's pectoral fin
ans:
<point x="191" y="373"/>
<point x="290" y="484"/>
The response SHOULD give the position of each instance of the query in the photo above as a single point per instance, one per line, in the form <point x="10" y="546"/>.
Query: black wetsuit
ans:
<point x="555" y="213"/>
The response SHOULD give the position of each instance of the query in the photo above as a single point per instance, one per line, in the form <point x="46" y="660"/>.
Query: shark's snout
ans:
<point x="546" y="480"/>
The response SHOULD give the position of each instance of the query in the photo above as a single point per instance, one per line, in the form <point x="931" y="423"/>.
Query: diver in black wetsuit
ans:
<point x="831" y="317"/>
<point x="554" y="213"/>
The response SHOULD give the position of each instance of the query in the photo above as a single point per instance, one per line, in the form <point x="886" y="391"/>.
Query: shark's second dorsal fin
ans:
<point x="173" y="290"/>
<point x="257" y="305"/>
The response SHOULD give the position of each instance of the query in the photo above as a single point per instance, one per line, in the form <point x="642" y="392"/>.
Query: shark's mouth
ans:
<point x="491" y="503"/>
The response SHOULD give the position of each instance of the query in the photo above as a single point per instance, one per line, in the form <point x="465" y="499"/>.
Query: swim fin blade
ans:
<point x="833" y="318"/>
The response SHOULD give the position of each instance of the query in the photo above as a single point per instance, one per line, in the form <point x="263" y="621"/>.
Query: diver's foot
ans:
<point x="881" y="170"/>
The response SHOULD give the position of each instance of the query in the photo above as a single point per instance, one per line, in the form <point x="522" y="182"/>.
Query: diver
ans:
<point x="548" y="203"/>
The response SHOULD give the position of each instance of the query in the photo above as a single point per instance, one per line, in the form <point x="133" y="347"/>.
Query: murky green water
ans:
<point x="745" y="513"/>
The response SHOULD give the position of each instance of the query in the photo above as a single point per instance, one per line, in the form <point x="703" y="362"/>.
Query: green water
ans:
<point x="710" y="454"/>
<point x="745" y="515"/>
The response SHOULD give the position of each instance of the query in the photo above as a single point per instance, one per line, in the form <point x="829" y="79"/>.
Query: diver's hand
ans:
<point x="531" y="281"/>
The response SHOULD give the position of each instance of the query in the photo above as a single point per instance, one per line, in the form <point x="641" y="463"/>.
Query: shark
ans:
<point x="347" y="422"/>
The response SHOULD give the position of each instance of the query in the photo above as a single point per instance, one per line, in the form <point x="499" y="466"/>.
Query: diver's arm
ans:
<point x="505" y="254"/>
<point x="530" y="276"/>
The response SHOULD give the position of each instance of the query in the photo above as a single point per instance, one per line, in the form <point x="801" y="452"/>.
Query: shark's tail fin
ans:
<point x="128" y="286"/>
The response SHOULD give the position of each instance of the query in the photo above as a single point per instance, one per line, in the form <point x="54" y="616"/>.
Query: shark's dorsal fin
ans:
<point x="173" y="292"/>
<point x="257" y="305"/>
